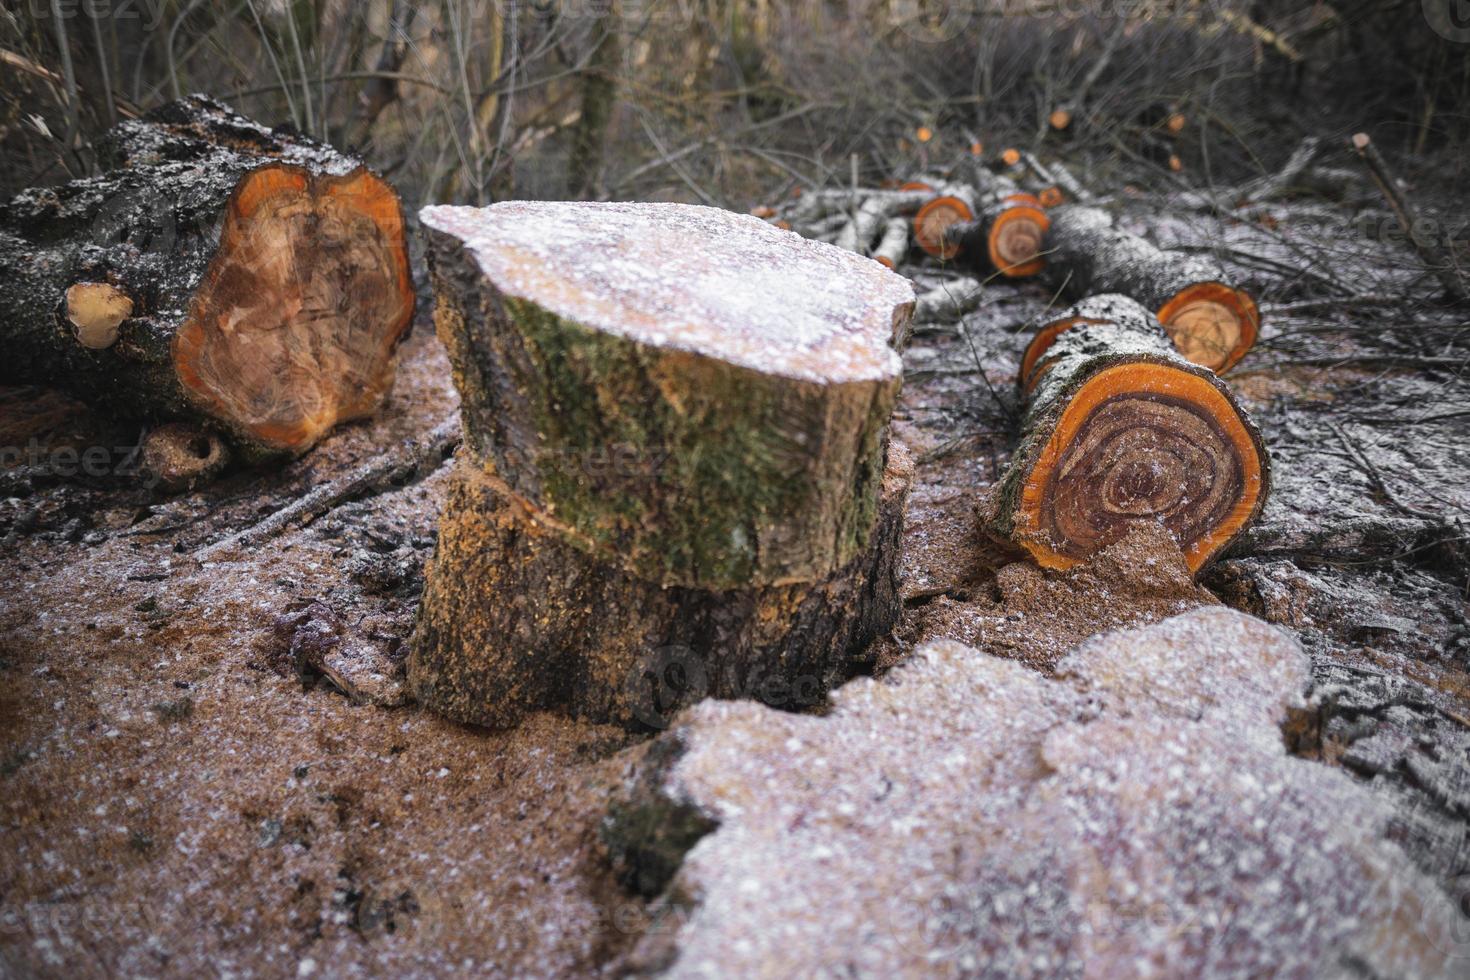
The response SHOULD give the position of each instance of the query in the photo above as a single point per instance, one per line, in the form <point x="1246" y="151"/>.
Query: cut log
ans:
<point x="992" y="226"/>
<point x="1120" y="429"/>
<point x="515" y="619"/>
<point x="218" y="273"/>
<point x="688" y="393"/>
<point x="1211" y="322"/>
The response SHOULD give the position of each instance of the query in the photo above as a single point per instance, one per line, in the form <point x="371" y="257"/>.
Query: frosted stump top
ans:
<point x="692" y="278"/>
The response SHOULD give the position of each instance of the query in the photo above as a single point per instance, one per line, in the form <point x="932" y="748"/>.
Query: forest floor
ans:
<point x="208" y="764"/>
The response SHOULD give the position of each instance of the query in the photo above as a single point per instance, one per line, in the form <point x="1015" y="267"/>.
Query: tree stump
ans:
<point x="1119" y="428"/>
<point x="1211" y="322"/>
<point x="675" y="432"/>
<point x="217" y="273"/>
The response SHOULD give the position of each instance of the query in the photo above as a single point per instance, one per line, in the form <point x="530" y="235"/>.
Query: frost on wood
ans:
<point x="218" y="273"/>
<point x="691" y="394"/>
<point x="695" y="279"/>
<point x="1120" y="429"/>
<point x="967" y="816"/>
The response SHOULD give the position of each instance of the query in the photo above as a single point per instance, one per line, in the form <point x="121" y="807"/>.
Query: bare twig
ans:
<point x="1439" y="259"/>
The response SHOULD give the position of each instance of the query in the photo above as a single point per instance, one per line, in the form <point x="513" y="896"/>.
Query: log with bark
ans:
<point x="675" y="431"/>
<point x="992" y="225"/>
<point x="515" y="618"/>
<point x="1212" y="322"/>
<point x="217" y="273"/>
<point x="1120" y="429"/>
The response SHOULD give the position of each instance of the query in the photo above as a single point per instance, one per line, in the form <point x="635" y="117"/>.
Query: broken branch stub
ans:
<point x="217" y="273"/>
<point x="683" y="391"/>
<point x="1120" y="429"/>
<point x="1210" y="321"/>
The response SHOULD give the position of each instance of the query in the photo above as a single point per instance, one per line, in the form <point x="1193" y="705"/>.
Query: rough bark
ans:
<point x="874" y="215"/>
<point x="217" y="273"/>
<point x="516" y="619"/>
<point x="1120" y="429"/>
<point x="1211" y="322"/>
<point x="679" y="390"/>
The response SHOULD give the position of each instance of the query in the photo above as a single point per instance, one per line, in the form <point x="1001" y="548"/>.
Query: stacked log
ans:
<point x="1211" y="322"/>
<point x="992" y="225"/>
<point x="239" y="280"/>
<point x="1119" y="428"/>
<point x="674" y="462"/>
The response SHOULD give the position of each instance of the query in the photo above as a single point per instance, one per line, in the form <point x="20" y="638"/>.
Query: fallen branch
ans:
<point x="1439" y="259"/>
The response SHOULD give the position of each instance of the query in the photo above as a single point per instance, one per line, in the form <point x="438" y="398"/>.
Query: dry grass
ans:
<point x="728" y="101"/>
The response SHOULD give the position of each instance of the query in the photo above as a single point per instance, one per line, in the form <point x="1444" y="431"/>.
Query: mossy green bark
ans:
<point x="681" y="468"/>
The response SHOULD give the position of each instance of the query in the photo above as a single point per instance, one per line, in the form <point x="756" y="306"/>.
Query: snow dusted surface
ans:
<point x="693" y="278"/>
<point x="968" y="816"/>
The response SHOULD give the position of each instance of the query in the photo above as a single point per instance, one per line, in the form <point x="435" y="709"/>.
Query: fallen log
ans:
<point x="1211" y="322"/>
<point x="515" y="618"/>
<point x="740" y="395"/>
<point x="1120" y="429"/>
<point x="675" y="438"/>
<point x="218" y="274"/>
<point x="994" y="225"/>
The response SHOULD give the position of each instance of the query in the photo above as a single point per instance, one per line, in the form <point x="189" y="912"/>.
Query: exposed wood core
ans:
<point x="934" y="219"/>
<point x="239" y="279"/>
<point x="1120" y="429"/>
<point x="96" y="310"/>
<point x="295" y="324"/>
<point x="993" y="227"/>
<point x="1211" y="322"/>
<point x="1015" y="241"/>
<point x="1050" y="197"/>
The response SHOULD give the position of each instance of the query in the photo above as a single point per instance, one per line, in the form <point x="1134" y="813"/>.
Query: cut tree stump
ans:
<point x="1210" y="321"/>
<point x="993" y="225"/>
<point x="675" y="438"/>
<point x="218" y="273"/>
<point x="1120" y="429"/>
<point x="515" y="619"/>
<point x="687" y="392"/>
